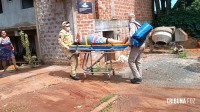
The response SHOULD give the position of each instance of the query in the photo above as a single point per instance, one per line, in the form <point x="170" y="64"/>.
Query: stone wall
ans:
<point x="50" y="15"/>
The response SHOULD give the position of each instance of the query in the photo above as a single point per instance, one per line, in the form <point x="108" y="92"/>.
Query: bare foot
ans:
<point x="79" y="37"/>
<point x="125" y="40"/>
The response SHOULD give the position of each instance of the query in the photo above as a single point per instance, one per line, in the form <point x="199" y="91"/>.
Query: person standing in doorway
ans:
<point x="7" y="51"/>
<point x="136" y="53"/>
<point x="65" y="39"/>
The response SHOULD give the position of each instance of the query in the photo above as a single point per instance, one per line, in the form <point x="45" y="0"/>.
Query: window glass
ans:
<point x="1" y="9"/>
<point x="27" y="4"/>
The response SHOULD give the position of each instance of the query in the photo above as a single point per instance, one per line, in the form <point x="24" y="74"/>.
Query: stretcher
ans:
<point x="90" y="65"/>
<point x="137" y="39"/>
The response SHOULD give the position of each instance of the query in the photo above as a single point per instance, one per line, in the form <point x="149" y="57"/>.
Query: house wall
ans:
<point x="119" y="9"/>
<point x="50" y="15"/>
<point x="112" y="16"/>
<point x="108" y="12"/>
<point x="14" y="16"/>
<point x="86" y="22"/>
<point x="108" y="15"/>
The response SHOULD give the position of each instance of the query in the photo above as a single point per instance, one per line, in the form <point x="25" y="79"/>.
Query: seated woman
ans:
<point x="96" y="39"/>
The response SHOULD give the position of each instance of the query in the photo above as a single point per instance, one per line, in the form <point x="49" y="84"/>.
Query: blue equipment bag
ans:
<point x="141" y="34"/>
<point x="136" y="43"/>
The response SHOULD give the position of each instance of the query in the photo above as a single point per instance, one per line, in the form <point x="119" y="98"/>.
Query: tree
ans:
<point x="183" y="4"/>
<point x="184" y="15"/>
<point x="157" y="2"/>
<point x="169" y="5"/>
<point x="162" y="6"/>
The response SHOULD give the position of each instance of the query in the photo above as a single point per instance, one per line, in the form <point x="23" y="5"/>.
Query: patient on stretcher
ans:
<point x="96" y="39"/>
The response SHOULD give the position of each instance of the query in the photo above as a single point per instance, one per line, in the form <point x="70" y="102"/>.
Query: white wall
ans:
<point x="14" y="16"/>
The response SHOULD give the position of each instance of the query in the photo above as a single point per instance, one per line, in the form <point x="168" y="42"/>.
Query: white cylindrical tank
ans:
<point x="162" y="34"/>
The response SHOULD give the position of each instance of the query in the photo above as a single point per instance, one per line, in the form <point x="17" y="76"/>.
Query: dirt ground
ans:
<point x="50" y="89"/>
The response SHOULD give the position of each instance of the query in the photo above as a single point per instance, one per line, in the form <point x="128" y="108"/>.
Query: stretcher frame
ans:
<point x="105" y="50"/>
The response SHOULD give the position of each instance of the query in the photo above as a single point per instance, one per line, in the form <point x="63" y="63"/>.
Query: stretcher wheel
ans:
<point x="84" y="75"/>
<point x="108" y="76"/>
<point x="113" y="72"/>
<point x="92" y="71"/>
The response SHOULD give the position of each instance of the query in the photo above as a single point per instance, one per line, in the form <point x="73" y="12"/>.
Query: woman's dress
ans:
<point x="6" y="49"/>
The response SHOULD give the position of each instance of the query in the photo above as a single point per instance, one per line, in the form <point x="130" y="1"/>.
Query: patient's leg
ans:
<point x="79" y="37"/>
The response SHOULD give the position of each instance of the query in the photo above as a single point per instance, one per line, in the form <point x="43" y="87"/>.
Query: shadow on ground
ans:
<point x="21" y="70"/>
<point x="195" y="67"/>
<point x="90" y="78"/>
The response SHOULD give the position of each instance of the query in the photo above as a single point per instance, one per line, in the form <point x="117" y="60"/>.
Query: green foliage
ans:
<point x="182" y="55"/>
<point x="196" y="5"/>
<point x="97" y="68"/>
<point x="25" y="43"/>
<point x="107" y="108"/>
<point x="187" y="18"/>
<point x="105" y="99"/>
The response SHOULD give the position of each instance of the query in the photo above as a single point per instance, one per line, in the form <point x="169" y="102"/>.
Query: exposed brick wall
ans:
<point x="85" y="22"/>
<point x="50" y="15"/>
<point x="144" y="10"/>
<point x="119" y="9"/>
<point x="114" y="9"/>
<point x="104" y="9"/>
<point x="123" y="8"/>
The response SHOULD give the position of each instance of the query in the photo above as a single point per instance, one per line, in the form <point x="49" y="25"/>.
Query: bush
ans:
<point x="184" y="54"/>
<point x="25" y="43"/>
<point x="186" y="18"/>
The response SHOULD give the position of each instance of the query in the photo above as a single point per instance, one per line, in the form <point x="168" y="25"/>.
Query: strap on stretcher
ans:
<point x="86" y="40"/>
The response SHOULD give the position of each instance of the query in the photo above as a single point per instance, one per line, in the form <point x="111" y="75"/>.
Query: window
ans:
<point x="27" y="4"/>
<point x="1" y="9"/>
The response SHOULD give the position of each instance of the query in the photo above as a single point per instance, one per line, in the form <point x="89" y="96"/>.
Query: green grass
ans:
<point x="105" y="99"/>
<point x="184" y="54"/>
<point x="99" y="68"/>
<point x="107" y="108"/>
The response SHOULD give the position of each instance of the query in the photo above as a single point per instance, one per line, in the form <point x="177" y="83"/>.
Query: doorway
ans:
<point x="20" y="51"/>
